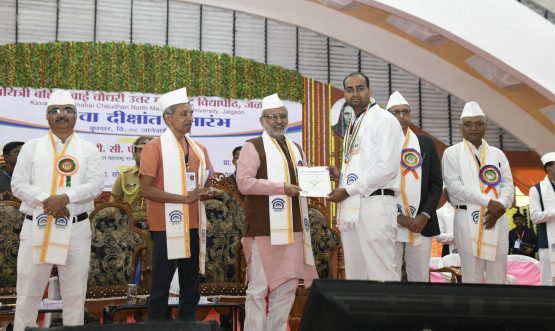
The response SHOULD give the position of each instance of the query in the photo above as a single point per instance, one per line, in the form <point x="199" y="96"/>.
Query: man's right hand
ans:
<point x="496" y="208"/>
<point x="291" y="190"/>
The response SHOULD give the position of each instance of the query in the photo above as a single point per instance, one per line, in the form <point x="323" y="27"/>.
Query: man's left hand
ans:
<point x="419" y="223"/>
<point x="490" y="219"/>
<point x="55" y="204"/>
<point x="337" y="195"/>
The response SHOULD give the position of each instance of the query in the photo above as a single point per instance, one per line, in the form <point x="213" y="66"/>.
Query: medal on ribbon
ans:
<point x="490" y="176"/>
<point x="66" y="166"/>
<point x="411" y="160"/>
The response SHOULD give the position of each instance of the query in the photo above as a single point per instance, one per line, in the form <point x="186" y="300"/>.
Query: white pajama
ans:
<point x="473" y="269"/>
<point x="280" y="301"/>
<point x="33" y="278"/>
<point x="416" y="258"/>
<point x="369" y="249"/>
<point x="545" y="267"/>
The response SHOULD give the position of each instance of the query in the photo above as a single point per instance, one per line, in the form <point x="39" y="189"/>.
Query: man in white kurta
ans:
<point x="421" y="184"/>
<point x="542" y="213"/>
<point x="369" y="183"/>
<point x="480" y="185"/>
<point x="57" y="178"/>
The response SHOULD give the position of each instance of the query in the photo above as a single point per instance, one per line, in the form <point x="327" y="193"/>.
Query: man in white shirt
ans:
<point x="445" y="216"/>
<point x="542" y="212"/>
<point x="57" y="178"/>
<point x="367" y="208"/>
<point x="480" y="185"/>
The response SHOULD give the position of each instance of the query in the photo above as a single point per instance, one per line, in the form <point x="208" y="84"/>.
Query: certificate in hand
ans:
<point x="314" y="181"/>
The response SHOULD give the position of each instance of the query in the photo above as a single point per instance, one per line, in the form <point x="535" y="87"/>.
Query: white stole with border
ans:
<point x="176" y="214"/>
<point x="51" y="235"/>
<point x="281" y="206"/>
<point x="484" y="242"/>
<point x="411" y="186"/>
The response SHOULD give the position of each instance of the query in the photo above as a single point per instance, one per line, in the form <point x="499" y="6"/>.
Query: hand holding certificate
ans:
<point x="314" y="181"/>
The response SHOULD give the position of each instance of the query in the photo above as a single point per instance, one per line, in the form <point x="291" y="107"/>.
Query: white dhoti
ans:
<point x="416" y="258"/>
<point x="369" y="248"/>
<point x="473" y="269"/>
<point x="33" y="278"/>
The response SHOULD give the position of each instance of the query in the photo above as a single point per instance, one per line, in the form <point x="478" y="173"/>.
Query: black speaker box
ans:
<point x="366" y="305"/>
<point x="143" y="326"/>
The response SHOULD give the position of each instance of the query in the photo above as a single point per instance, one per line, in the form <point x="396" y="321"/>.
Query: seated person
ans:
<point x="10" y="153"/>
<point x="522" y="239"/>
<point x="126" y="187"/>
<point x="236" y="153"/>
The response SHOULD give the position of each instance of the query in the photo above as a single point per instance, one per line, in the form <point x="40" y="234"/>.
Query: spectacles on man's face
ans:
<point x="274" y="117"/>
<point x="59" y="111"/>
<point x="477" y="125"/>
<point x="398" y="113"/>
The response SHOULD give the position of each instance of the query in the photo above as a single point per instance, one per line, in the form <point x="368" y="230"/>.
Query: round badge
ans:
<point x="411" y="159"/>
<point x="490" y="175"/>
<point x="67" y="165"/>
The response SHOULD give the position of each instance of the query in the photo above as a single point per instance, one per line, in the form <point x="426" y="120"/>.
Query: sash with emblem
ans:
<point x="411" y="186"/>
<point x="57" y="172"/>
<point x="484" y="176"/>
<point x="280" y="206"/>
<point x="177" y="215"/>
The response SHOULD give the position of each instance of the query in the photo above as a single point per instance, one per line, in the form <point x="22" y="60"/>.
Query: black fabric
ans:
<point x="78" y="218"/>
<point x="432" y="184"/>
<point x="383" y="192"/>
<point x="162" y="274"/>
<point x="542" y="227"/>
<point x="461" y="207"/>
<point x="445" y="250"/>
<point x="142" y="326"/>
<point x="529" y="239"/>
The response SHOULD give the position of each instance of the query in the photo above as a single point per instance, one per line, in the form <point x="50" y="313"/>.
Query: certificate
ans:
<point x="314" y="181"/>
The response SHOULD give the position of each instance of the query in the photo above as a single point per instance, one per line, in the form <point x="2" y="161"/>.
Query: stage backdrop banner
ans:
<point x="113" y="120"/>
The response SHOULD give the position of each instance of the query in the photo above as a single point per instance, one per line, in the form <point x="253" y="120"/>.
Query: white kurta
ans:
<point x="32" y="278"/>
<point x="539" y="216"/>
<point x="369" y="249"/>
<point x="475" y="270"/>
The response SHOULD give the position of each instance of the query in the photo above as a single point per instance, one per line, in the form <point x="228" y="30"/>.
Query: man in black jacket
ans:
<point x="421" y="186"/>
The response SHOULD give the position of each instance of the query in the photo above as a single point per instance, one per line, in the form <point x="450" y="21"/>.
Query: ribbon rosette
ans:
<point x="66" y="166"/>
<point x="491" y="177"/>
<point x="411" y="160"/>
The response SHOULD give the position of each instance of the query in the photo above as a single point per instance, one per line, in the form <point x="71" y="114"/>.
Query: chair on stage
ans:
<point x="446" y="269"/>
<point x="524" y="269"/>
<point x="116" y="245"/>
<point x="11" y="221"/>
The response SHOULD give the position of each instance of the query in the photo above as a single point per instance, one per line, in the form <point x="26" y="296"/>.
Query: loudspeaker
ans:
<point x="366" y="305"/>
<point x="143" y="326"/>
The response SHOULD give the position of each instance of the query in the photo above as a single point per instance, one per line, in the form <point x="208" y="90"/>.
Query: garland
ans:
<point x="118" y="67"/>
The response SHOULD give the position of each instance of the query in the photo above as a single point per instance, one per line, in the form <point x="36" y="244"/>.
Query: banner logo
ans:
<point x="42" y="219"/>
<point x="176" y="217"/>
<point x="351" y="178"/>
<point x="278" y="204"/>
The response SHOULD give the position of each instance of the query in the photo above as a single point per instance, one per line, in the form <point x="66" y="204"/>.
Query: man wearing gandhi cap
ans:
<point x="480" y="185"/>
<point x="173" y="172"/>
<point x="57" y="178"/>
<point x="276" y="238"/>
<point x="542" y="212"/>
<point x="421" y="186"/>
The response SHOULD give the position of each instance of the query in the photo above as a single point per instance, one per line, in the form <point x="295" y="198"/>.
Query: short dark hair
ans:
<point x="548" y="164"/>
<point x="518" y="214"/>
<point x="11" y="145"/>
<point x="236" y="149"/>
<point x="357" y="73"/>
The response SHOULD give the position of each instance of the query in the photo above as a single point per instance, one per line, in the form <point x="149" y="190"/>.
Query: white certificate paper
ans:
<point x="314" y="181"/>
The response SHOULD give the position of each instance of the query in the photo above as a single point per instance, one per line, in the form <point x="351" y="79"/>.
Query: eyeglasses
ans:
<point x="398" y="113"/>
<point x="477" y="125"/>
<point x="274" y="117"/>
<point x="58" y="111"/>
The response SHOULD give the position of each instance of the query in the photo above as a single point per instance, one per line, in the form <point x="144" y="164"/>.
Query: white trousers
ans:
<point x="473" y="269"/>
<point x="369" y="249"/>
<point x="280" y="302"/>
<point x="32" y="278"/>
<point x="416" y="258"/>
<point x="545" y="267"/>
